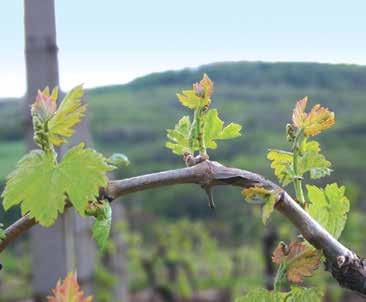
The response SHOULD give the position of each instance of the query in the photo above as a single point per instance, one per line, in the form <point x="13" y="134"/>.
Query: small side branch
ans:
<point x="345" y="266"/>
<point x="16" y="229"/>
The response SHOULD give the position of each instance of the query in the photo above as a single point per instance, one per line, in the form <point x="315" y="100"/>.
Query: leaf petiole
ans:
<point x="280" y="277"/>
<point x="298" y="178"/>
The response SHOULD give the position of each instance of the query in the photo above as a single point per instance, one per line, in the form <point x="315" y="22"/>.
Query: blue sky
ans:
<point x="111" y="42"/>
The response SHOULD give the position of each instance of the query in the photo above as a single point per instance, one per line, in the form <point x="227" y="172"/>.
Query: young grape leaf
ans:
<point x="258" y="195"/>
<point x="282" y="165"/>
<point x="45" y="105"/>
<point x="255" y="195"/>
<point x="310" y="160"/>
<point x="301" y="294"/>
<point x="79" y="175"/>
<point x="102" y="225"/>
<point x="68" y="114"/>
<point x="118" y="159"/>
<point x="314" y="122"/>
<point x="268" y="208"/>
<point x="68" y="291"/>
<point x="199" y="96"/>
<point x="297" y="294"/>
<point x="54" y="93"/>
<point x="262" y="295"/>
<point x="300" y="259"/>
<point x="178" y="137"/>
<point x="299" y="115"/>
<point x="36" y="185"/>
<point x="84" y="173"/>
<point x="190" y="99"/>
<point x="318" y="119"/>
<point x="329" y="207"/>
<point x="213" y="130"/>
<point x="207" y="85"/>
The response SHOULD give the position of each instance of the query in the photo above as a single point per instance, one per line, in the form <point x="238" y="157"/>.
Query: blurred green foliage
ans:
<point x="10" y="152"/>
<point x="15" y="282"/>
<point x="181" y="258"/>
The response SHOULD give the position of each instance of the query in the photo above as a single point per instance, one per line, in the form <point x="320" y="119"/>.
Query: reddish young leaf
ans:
<point x="301" y="260"/>
<point x="314" y="122"/>
<point x="279" y="254"/>
<point x="45" y="104"/>
<point x="68" y="291"/>
<point x="318" y="119"/>
<point x="299" y="114"/>
<point x="207" y="85"/>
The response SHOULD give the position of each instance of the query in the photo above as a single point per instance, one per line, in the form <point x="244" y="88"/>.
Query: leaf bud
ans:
<point x="44" y="106"/>
<point x="199" y="90"/>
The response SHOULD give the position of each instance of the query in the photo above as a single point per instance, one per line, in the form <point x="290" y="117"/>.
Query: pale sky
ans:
<point x="113" y="41"/>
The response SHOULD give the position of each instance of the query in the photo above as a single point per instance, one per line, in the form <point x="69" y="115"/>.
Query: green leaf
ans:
<point x="329" y="207"/>
<point x="118" y="159"/>
<point x="301" y="294"/>
<point x="178" y="137"/>
<point x="84" y="173"/>
<point x="297" y="294"/>
<point x="230" y="131"/>
<point x="262" y="295"/>
<point x="311" y="160"/>
<point x="69" y="114"/>
<point x="268" y="208"/>
<point x="213" y="130"/>
<point x="102" y="225"/>
<point x="190" y="99"/>
<point x="36" y="185"/>
<point x="39" y="184"/>
<point x="282" y="165"/>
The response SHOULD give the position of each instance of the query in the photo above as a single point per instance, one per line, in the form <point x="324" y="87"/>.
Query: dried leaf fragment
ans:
<point x="301" y="260"/>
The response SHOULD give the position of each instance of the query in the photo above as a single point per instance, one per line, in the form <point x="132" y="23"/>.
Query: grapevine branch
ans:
<point x="346" y="267"/>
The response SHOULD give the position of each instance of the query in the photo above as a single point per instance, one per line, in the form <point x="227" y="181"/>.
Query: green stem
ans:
<point x="192" y="131"/>
<point x="196" y="132"/>
<point x="200" y="129"/>
<point x="280" y="277"/>
<point x="297" y="180"/>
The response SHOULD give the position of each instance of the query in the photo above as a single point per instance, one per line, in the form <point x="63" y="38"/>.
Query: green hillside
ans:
<point x="132" y="118"/>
